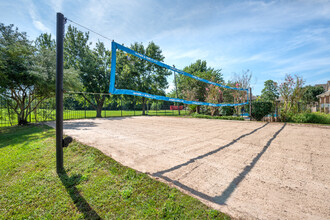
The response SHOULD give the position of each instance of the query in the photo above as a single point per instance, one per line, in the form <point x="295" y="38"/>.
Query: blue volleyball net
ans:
<point x="116" y="91"/>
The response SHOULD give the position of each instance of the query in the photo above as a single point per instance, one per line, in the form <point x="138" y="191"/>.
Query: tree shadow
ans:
<point x="18" y="134"/>
<point x="78" y="124"/>
<point x="232" y="185"/>
<point x="209" y="153"/>
<point x="79" y="201"/>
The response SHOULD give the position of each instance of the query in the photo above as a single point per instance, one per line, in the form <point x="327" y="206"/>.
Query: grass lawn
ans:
<point x="49" y="115"/>
<point x="93" y="186"/>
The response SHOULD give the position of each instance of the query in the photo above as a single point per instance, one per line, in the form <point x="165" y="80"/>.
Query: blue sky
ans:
<point x="270" y="38"/>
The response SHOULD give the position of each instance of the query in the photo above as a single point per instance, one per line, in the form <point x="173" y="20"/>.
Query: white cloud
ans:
<point x="35" y="18"/>
<point x="40" y="26"/>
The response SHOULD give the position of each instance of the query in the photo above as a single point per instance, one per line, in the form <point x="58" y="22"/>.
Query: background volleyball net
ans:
<point x="121" y="91"/>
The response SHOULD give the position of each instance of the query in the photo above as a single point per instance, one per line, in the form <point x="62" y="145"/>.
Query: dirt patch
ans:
<point x="249" y="170"/>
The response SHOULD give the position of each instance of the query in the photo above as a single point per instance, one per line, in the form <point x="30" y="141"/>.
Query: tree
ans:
<point x="95" y="76"/>
<point x="213" y="95"/>
<point x="270" y="91"/>
<point x="291" y="91"/>
<point x="93" y="66"/>
<point x="310" y="93"/>
<point x="141" y="75"/>
<point x="20" y="83"/>
<point x="193" y="89"/>
<point x="242" y="80"/>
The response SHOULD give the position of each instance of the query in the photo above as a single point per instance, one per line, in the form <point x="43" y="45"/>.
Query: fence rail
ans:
<point x="77" y="107"/>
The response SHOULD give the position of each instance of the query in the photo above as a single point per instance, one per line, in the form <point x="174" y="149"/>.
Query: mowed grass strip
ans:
<point x="49" y="115"/>
<point x="93" y="185"/>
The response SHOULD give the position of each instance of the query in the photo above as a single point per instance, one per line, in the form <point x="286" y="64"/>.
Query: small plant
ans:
<point x="127" y="192"/>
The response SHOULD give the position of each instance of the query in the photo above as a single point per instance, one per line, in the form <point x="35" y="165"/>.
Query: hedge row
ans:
<point x="195" y="115"/>
<point x="315" y="117"/>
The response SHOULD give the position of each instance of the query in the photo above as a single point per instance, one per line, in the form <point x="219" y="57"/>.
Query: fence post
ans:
<point x="134" y="103"/>
<point x="60" y="22"/>
<point x="121" y="104"/>
<point x="250" y="103"/>
<point x="30" y="111"/>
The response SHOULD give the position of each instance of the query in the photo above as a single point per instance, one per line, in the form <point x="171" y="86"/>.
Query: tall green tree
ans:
<point x="310" y="93"/>
<point x="270" y="91"/>
<point x="140" y="75"/>
<point x="20" y="81"/>
<point x="93" y="65"/>
<point x="291" y="91"/>
<point x="193" y="89"/>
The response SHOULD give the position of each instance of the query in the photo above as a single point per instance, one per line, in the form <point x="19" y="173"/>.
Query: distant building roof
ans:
<point x="327" y="93"/>
<point x="326" y="86"/>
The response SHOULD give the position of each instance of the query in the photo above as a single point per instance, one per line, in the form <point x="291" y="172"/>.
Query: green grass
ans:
<point x="49" y="115"/>
<point x="92" y="186"/>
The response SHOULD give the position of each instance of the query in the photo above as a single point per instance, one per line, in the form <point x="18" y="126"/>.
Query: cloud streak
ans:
<point x="35" y="18"/>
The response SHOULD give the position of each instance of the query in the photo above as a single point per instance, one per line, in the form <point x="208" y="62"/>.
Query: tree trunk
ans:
<point x="21" y="117"/>
<point x="197" y="109"/>
<point x="99" y="107"/>
<point x="22" y="121"/>
<point x="99" y="111"/>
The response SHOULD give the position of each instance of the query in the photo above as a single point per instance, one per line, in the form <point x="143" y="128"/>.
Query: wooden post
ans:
<point x="250" y="103"/>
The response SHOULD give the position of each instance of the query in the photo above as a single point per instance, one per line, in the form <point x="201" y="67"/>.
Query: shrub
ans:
<point x="316" y="117"/>
<point x="227" y="110"/>
<point x="192" y="108"/>
<point x="195" y="115"/>
<point x="260" y="109"/>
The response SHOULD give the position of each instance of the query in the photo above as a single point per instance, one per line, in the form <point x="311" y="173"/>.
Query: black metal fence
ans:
<point x="75" y="106"/>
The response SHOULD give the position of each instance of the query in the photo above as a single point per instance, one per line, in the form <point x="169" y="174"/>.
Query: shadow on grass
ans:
<point x="232" y="185"/>
<point x="79" y="201"/>
<point x="10" y="136"/>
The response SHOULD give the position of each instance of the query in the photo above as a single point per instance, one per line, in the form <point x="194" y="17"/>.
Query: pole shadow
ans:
<point x="237" y="180"/>
<point x="209" y="153"/>
<point x="79" y="201"/>
<point x="221" y="200"/>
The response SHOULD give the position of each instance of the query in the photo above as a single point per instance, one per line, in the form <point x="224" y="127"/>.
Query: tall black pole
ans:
<point x="59" y="91"/>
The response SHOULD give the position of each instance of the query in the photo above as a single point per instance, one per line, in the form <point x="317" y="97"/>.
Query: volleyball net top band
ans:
<point x="113" y="90"/>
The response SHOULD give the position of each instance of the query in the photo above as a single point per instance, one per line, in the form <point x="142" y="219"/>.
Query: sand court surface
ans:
<point x="249" y="170"/>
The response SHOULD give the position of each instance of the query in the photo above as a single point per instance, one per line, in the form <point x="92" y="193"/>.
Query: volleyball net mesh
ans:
<point x="227" y="95"/>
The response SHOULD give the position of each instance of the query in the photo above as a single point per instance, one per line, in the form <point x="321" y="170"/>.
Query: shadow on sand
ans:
<point x="221" y="199"/>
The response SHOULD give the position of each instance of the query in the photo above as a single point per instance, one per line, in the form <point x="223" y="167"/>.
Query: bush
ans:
<point x="227" y="110"/>
<point x="192" y="108"/>
<point x="260" y="109"/>
<point x="316" y="117"/>
<point x="195" y="115"/>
